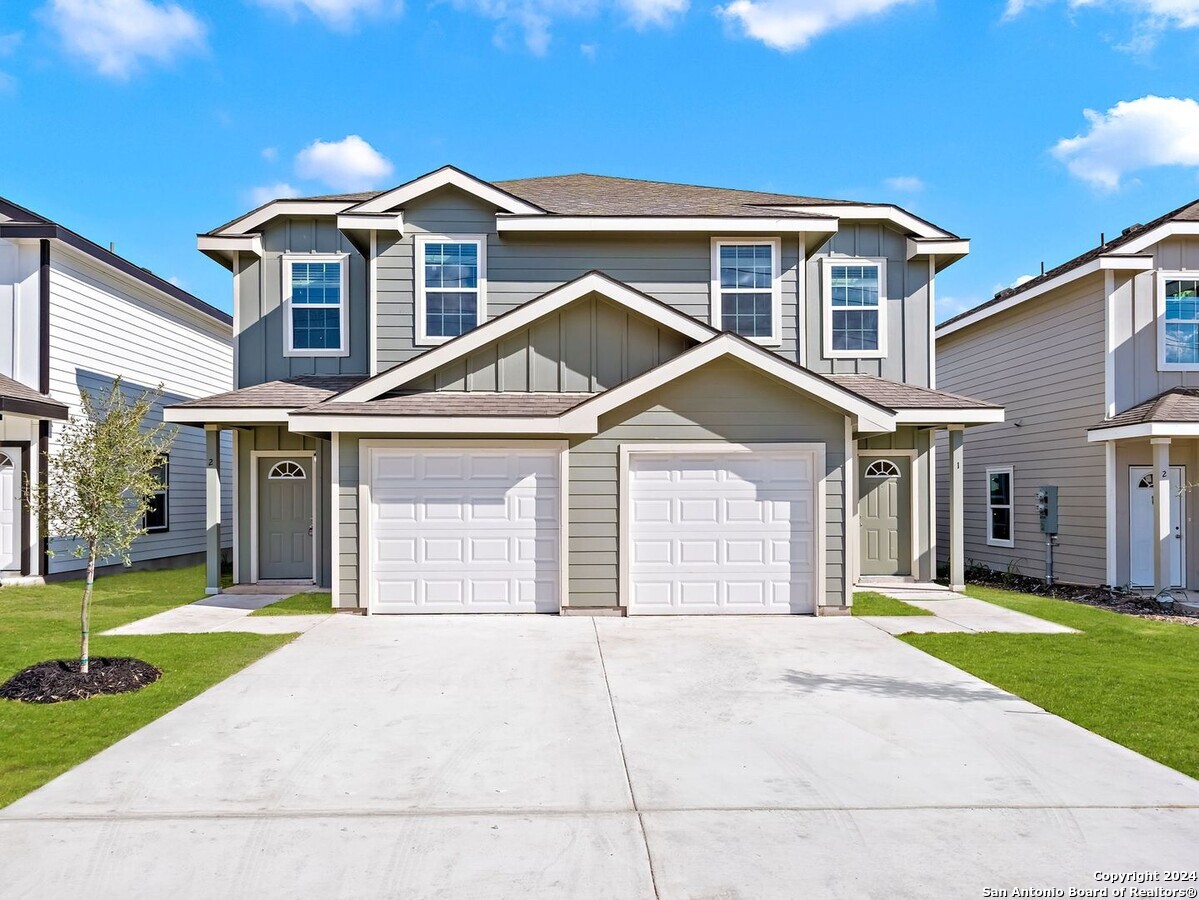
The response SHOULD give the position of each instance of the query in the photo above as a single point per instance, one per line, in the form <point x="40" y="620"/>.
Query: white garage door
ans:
<point x="463" y="530"/>
<point x="723" y="533"/>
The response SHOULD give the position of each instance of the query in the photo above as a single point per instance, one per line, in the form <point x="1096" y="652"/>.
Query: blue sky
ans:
<point x="142" y="122"/>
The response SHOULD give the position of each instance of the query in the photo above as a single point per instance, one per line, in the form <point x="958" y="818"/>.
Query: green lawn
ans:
<point x="41" y="741"/>
<point x="1135" y="681"/>
<point x="868" y="603"/>
<point x="298" y="605"/>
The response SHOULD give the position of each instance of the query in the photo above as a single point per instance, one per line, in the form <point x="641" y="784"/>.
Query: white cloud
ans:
<point x="588" y="50"/>
<point x="907" y="184"/>
<point x="948" y="306"/>
<point x="117" y="36"/>
<point x="350" y="164"/>
<point x="339" y="14"/>
<point x="1131" y="136"/>
<point x="793" y="24"/>
<point x="268" y="192"/>
<point x="643" y="13"/>
<point x="1152" y="16"/>
<point x="270" y="154"/>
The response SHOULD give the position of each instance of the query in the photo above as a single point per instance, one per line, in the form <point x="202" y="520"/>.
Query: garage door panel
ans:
<point x="464" y="530"/>
<point x="723" y="533"/>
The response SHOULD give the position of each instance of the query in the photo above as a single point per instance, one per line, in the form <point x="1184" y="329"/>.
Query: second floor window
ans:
<point x="854" y="308"/>
<point x="451" y="279"/>
<point x="1182" y="321"/>
<point x="314" y="291"/>
<point x="745" y="288"/>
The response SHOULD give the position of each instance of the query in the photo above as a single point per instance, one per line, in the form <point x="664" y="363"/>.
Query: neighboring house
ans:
<point x="1097" y="365"/>
<point x="582" y="394"/>
<point x="74" y="316"/>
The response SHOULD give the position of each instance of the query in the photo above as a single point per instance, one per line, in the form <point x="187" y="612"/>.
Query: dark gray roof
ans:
<point x="24" y="223"/>
<point x="1175" y="405"/>
<point x="289" y="393"/>
<point x="455" y="403"/>
<point x="604" y="195"/>
<point x="1188" y="212"/>
<point x="894" y="395"/>
<point x="21" y="399"/>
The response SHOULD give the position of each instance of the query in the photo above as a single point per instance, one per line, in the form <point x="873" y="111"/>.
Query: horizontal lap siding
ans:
<point x="1044" y="362"/>
<point x="676" y="269"/>
<point x="102" y="326"/>
<point x="723" y="401"/>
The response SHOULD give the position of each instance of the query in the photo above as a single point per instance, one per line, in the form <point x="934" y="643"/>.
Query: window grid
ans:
<point x="450" y="270"/>
<point x="157" y="517"/>
<point x="746" y="278"/>
<point x="1182" y="321"/>
<point x="316" y="309"/>
<point x="999" y="507"/>
<point x="855" y="302"/>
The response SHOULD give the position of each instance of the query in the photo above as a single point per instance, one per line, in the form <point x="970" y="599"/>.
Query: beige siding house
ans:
<point x="1096" y="363"/>
<point x="583" y="394"/>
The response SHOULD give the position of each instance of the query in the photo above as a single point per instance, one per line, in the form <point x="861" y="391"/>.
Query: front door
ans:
<point x="285" y="518"/>
<point x="10" y="509"/>
<point x="885" y="511"/>
<point x="1141" y="528"/>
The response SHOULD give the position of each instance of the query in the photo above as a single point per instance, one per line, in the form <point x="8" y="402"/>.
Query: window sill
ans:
<point x="1177" y="367"/>
<point x="305" y="354"/>
<point x="854" y="354"/>
<point x="991" y="542"/>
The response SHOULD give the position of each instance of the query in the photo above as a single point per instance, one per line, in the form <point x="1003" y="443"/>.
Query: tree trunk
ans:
<point x="86" y="612"/>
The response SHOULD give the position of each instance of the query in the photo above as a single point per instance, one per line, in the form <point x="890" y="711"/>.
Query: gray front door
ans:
<point x="285" y="518"/>
<point x="884" y="485"/>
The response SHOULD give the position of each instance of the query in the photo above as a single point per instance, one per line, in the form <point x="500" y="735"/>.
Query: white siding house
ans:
<point x="74" y="318"/>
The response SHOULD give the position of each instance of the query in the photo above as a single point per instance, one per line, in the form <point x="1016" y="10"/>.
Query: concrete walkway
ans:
<point x="229" y="611"/>
<point x="542" y="756"/>
<point x="952" y="612"/>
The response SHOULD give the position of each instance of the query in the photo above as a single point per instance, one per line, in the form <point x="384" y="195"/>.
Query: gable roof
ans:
<point x="605" y="195"/>
<point x="25" y="223"/>
<point x="521" y="317"/>
<point x="1130" y="241"/>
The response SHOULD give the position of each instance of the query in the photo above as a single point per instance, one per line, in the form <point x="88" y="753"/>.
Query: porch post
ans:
<point x="212" y="509"/>
<point x="1163" y="534"/>
<point x="957" y="530"/>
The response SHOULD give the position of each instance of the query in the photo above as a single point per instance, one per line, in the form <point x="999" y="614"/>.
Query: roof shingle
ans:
<point x="895" y="395"/>
<point x="455" y="403"/>
<point x="1180" y="404"/>
<point x="288" y="393"/>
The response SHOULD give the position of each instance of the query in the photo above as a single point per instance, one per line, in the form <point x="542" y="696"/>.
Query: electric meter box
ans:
<point x="1047" y="508"/>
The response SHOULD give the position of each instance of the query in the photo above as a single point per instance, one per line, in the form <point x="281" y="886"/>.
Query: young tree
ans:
<point x="100" y="482"/>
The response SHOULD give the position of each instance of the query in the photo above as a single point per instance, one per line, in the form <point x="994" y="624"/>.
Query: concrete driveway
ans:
<point x="491" y="757"/>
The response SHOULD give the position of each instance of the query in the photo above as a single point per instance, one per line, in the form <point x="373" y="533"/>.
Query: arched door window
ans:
<point x="882" y="468"/>
<point x="287" y="471"/>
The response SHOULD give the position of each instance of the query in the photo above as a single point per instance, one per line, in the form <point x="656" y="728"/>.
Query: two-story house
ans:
<point x="1097" y="364"/>
<point x="582" y="394"/>
<point x="73" y="317"/>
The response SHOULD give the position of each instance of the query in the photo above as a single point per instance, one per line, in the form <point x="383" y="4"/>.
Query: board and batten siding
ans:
<point x="104" y="325"/>
<point x="272" y="438"/>
<point x="1043" y="361"/>
<point x="591" y="345"/>
<point x="908" y="312"/>
<point x="723" y="401"/>
<point x="260" y="318"/>
<point x="1134" y="325"/>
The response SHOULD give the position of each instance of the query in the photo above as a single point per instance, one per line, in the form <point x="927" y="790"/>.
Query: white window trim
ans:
<point x="1010" y="506"/>
<point x="775" y="338"/>
<point x="423" y="338"/>
<point x="826" y="277"/>
<point x="289" y="336"/>
<point x="1162" y="277"/>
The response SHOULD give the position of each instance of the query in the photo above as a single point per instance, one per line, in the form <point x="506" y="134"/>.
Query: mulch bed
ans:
<point x="57" y="680"/>
<point x="1128" y="602"/>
